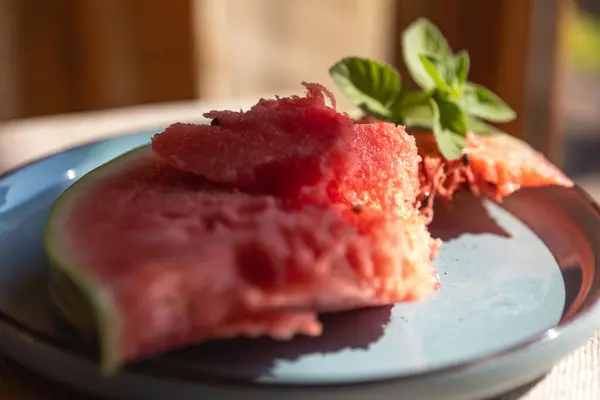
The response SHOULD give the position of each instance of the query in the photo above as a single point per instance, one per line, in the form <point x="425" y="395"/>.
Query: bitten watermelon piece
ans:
<point x="301" y="149"/>
<point x="167" y="259"/>
<point x="510" y="164"/>
<point x="494" y="166"/>
<point x="279" y="146"/>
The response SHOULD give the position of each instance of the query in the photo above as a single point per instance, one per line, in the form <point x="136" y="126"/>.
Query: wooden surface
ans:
<point x="59" y="56"/>
<point x="62" y="56"/>
<point x="547" y="79"/>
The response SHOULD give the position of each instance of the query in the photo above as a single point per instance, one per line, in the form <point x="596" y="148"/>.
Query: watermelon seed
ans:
<point x="357" y="209"/>
<point x="465" y="160"/>
<point x="215" y="122"/>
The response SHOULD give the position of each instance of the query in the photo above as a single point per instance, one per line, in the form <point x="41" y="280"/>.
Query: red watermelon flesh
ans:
<point x="182" y="260"/>
<point x="301" y="149"/>
<point x="278" y="146"/>
<point x="494" y="166"/>
<point x="510" y="164"/>
<point x="386" y="171"/>
<point x="316" y="97"/>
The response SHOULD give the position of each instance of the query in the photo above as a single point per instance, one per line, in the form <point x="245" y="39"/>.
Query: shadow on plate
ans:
<point x="3" y="194"/>
<point x="466" y="215"/>
<point x="573" y="279"/>
<point x="255" y="358"/>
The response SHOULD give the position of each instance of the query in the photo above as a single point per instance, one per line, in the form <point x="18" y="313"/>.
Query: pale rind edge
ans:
<point x="61" y="259"/>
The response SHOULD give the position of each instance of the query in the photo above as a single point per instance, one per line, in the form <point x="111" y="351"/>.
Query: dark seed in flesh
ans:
<point x="465" y="160"/>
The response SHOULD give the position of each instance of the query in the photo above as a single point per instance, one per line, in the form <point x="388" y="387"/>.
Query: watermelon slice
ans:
<point x="278" y="147"/>
<point x="301" y="149"/>
<point x="165" y="259"/>
<point x="494" y="166"/>
<point x="510" y="164"/>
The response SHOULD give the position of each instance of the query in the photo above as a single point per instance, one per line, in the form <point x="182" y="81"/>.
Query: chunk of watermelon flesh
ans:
<point x="495" y="165"/>
<point x="387" y="168"/>
<point x="184" y="260"/>
<point x="316" y="97"/>
<point x="278" y="146"/>
<point x="318" y="158"/>
<point x="510" y="164"/>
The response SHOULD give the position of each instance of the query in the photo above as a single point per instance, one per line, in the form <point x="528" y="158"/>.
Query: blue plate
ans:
<point x="520" y="289"/>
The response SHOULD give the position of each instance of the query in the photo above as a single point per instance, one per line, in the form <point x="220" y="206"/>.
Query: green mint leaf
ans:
<point x="483" y="103"/>
<point x="383" y="114"/>
<point x="408" y="97"/>
<point x="451" y="116"/>
<point x="418" y="116"/>
<point x="462" y="65"/>
<point x="370" y="85"/>
<point x="436" y="71"/>
<point x="423" y="38"/>
<point x="413" y="109"/>
<point x="450" y="143"/>
<point x="480" y="128"/>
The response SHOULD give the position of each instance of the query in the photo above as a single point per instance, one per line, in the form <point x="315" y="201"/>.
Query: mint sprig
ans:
<point x="371" y="86"/>
<point x="446" y="103"/>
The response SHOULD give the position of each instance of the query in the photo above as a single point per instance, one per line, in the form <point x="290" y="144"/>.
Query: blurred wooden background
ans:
<point x="61" y="56"/>
<point x="75" y="55"/>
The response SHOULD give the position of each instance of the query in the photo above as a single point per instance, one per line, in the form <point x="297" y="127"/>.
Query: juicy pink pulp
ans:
<point x="494" y="166"/>
<point x="277" y="147"/>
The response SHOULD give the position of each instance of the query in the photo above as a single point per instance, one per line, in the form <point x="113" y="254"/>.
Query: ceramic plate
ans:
<point x="520" y="289"/>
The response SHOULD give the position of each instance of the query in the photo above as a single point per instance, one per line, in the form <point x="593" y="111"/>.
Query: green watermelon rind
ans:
<point x="64" y="266"/>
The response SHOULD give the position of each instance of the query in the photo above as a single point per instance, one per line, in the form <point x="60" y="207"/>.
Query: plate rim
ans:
<point x="549" y="335"/>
